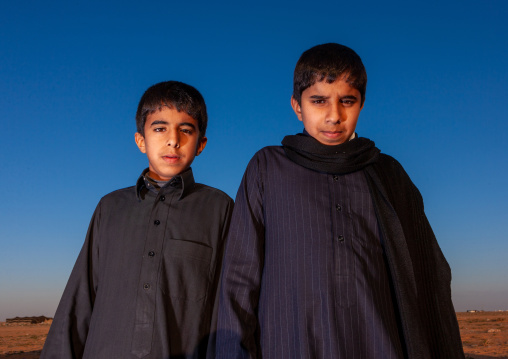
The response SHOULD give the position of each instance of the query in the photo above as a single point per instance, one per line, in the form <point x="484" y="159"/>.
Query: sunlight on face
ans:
<point x="171" y="142"/>
<point x="329" y="112"/>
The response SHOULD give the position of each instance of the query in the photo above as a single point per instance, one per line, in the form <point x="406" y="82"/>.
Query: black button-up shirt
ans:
<point x="144" y="284"/>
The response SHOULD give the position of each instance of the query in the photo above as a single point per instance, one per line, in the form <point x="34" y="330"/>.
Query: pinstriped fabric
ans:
<point x="304" y="273"/>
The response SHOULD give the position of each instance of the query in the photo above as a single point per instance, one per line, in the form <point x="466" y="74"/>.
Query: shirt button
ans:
<point x="335" y="178"/>
<point x="162" y="198"/>
<point x="338" y="207"/>
<point x="146" y="286"/>
<point x="156" y="222"/>
<point x="340" y="238"/>
<point x="151" y="253"/>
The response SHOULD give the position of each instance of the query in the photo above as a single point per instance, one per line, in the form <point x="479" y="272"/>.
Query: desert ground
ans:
<point x="22" y="341"/>
<point x="484" y="336"/>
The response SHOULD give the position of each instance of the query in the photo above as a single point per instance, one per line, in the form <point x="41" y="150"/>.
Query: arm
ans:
<point x="431" y="270"/>
<point x="433" y="279"/>
<point x="210" y="353"/>
<point x="242" y="270"/>
<point x="68" y="333"/>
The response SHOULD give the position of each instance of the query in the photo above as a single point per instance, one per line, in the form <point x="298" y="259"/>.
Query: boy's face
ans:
<point x="171" y="142"/>
<point x="329" y="112"/>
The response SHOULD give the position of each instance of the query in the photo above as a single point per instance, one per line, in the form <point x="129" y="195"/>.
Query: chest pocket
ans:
<point x="185" y="270"/>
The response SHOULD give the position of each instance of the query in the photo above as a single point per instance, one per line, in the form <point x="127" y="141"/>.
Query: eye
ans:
<point x="348" y="102"/>
<point x="186" y="131"/>
<point x="318" y="102"/>
<point x="159" y="129"/>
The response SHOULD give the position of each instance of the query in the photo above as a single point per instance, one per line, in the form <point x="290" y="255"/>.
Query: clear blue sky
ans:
<point x="72" y="73"/>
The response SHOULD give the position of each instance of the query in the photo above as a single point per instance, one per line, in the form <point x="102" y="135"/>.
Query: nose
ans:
<point x="334" y="115"/>
<point x="173" y="139"/>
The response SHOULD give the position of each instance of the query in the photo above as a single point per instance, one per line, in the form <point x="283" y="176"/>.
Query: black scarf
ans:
<point x="345" y="158"/>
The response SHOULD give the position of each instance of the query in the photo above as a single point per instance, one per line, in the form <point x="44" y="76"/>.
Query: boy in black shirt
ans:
<point x="144" y="284"/>
<point x="330" y="254"/>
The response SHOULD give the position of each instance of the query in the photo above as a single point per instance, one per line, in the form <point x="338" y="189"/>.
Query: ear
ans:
<point x="140" y="141"/>
<point x="201" y="145"/>
<point x="297" y="108"/>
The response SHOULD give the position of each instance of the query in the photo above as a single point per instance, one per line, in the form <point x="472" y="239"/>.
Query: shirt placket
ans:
<point x="149" y="274"/>
<point x="342" y="234"/>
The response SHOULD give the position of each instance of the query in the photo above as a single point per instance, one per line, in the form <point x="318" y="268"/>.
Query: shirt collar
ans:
<point x="182" y="183"/>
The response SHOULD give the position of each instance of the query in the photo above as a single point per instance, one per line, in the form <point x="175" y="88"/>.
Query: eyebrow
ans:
<point x="188" y="124"/>
<point x="162" y="122"/>
<point x="158" y="122"/>
<point x="342" y="98"/>
<point x="349" y="97"/>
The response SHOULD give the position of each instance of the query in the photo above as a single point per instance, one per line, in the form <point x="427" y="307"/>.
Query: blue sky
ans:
<point x="72" y="73"/>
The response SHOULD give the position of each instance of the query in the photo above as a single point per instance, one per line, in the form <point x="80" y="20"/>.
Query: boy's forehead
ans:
<point x="166" y="108"/>
<point x="339" y="83"/>
<point x="166" y="111"/>
<point x="328" y="77"/>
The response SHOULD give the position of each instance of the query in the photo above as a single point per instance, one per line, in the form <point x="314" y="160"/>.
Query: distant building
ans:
<point x="27" y="320"/>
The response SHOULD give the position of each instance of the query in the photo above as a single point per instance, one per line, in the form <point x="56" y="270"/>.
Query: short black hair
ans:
<point x="329" y="61"/>
<point x="173" y="94"/>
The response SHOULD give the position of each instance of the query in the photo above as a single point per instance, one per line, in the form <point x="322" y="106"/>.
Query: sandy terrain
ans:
<point x="22" y="341"/>
<point x="484" y="336"/>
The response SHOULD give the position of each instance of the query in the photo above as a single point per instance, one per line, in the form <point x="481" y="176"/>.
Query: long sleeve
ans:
<point x="210" y="353"/>
<point x="69" y="331"/>
<point x="433" y="315"/>
<point x="242" y="269"/>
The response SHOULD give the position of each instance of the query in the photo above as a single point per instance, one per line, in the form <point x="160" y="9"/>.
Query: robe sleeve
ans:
<point x="433" y="280"/>
<point x="69" y="330"/>
<point x="432" y="274"/>
<point x="237" y="333"/>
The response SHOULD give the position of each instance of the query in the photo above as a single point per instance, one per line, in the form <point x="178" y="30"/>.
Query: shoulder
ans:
<point x="266" y="160"/>
<point x="388" y="166"/>
<point x="394" y="177"/>
<point x="211" y="193"/>
<point x="389" y="163"/>
<point x="267" y="157"/>
<point x="118" y="200"/>
<point x="267" y="153"/>
<point x="120" y="194"/>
